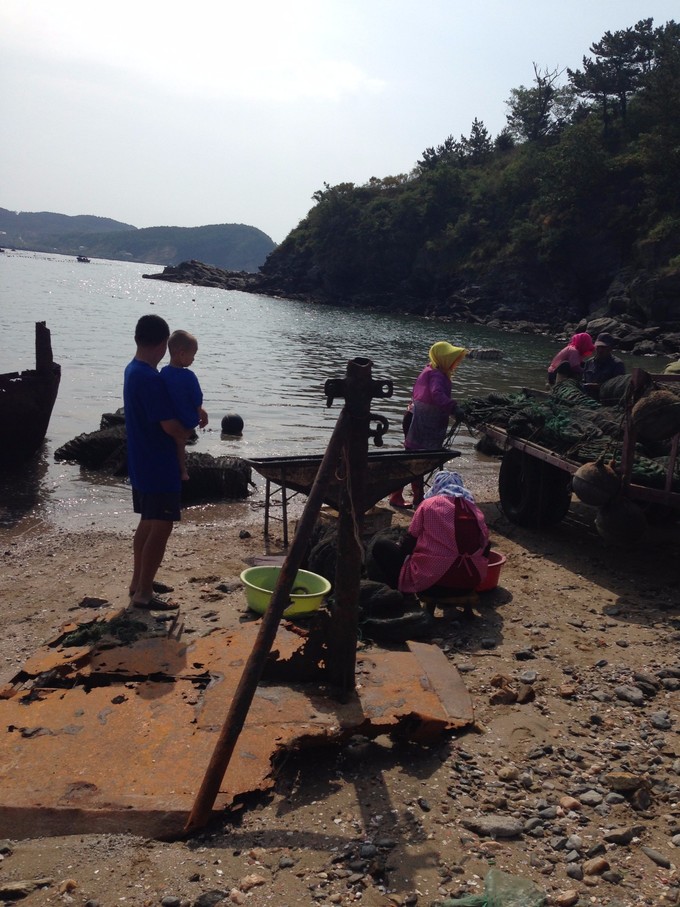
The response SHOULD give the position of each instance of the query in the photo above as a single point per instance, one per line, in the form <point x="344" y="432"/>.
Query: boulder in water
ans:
<point x="232" y="424"/>
<point x="485" y="354"/>
<point x="210" y="478"/>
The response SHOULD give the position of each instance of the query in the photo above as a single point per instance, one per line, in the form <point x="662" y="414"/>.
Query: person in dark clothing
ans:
<point x="603" y="365"/>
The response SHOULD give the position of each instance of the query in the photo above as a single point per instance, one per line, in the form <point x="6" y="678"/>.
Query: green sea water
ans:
<point x="266" y="359"/>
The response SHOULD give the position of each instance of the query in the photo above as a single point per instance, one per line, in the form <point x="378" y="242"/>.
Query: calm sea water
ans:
<point x="265" y="359"/>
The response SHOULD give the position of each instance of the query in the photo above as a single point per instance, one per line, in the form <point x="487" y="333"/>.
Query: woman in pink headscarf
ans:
<point x="579" y="348"/>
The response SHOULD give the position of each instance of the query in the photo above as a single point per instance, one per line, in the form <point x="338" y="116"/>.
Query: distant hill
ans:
<point x="28" y="225"/>
<point x="236" y="247"/>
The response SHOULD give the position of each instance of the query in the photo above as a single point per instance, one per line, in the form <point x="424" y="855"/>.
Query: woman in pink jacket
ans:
<point x="579" y="348"/>
<point x="431" y="406"/>
<point x="446" y="548"/>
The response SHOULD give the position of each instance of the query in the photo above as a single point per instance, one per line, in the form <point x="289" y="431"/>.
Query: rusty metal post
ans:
<point x="284" y="515"/>
<point x="252" y="672"/>
<point x="342" y="642"/>
<point x="267" y="505"/>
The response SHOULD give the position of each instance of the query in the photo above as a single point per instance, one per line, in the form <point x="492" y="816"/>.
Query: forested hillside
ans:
<point x="18" y="227"/>
<point x="573" y="208"/>
<point x="234" y="246"/>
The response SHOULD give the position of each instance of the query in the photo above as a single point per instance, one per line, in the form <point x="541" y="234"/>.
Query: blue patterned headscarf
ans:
<point x="450" y="483"/>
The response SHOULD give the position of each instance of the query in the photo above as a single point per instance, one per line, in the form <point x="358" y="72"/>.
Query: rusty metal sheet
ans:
<point x="90" y="756"/>
<point x="67" y="660"/>
<point x="442" y="677"/>
<point x="400" y="687"/>
<point x="155" y="655"/>
<point x="118" y="752"/>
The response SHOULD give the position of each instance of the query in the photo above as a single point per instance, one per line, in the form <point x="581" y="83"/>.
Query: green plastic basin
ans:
<point x="309" y="590"/>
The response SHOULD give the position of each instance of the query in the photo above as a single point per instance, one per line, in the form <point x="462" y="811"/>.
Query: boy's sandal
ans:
<point x="156" y="604"/>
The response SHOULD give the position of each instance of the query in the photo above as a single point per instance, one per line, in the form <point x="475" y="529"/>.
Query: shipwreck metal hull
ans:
<point x="26" y="402"/>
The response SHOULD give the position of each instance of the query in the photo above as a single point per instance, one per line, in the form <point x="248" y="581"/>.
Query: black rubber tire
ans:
<point x="532" y="493"/>
<point x="557" y="490"/>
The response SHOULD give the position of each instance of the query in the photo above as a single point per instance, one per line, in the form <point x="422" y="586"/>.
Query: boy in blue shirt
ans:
<point x="183" y="389"/>
<point x="152" y="433"/>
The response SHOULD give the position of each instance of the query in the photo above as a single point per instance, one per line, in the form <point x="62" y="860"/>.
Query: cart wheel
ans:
<point x="532" y="493"/>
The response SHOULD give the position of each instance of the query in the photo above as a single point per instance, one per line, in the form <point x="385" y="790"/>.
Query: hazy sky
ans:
<point x="217" y="111"/>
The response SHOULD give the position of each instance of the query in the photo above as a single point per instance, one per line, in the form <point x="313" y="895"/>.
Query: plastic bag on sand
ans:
<point x="501" y="890"/>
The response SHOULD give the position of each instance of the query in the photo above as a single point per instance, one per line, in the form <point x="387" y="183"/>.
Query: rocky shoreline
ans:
<point x="569" y="780"/>
<point x="634" y="335"/>
<point x="201" y="275"/>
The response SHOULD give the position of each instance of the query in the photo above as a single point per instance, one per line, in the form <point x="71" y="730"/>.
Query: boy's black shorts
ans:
<point x="162" y="506"/>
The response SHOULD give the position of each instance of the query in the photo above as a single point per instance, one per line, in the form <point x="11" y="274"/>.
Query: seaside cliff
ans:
<point x="627" y="311"/>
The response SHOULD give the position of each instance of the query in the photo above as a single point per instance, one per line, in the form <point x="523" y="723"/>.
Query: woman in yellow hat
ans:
<point x="431" y="406"/>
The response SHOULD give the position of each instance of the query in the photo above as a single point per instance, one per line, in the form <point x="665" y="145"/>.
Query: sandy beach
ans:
<point x="573" y="670"/>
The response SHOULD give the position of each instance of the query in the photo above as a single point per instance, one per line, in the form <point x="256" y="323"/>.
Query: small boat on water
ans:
<point x="84" y="259"/>
<point x="26" y="402"/>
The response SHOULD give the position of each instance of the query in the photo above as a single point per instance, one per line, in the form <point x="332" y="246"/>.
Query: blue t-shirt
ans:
<point x="152" y="453"/>
<point x="185" y="393"/>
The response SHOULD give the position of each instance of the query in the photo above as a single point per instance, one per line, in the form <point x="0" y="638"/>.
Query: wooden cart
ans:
<point x="534" y="482"/>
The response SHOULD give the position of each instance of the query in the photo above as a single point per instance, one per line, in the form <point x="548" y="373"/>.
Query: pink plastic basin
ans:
<point x="496" y="561"/>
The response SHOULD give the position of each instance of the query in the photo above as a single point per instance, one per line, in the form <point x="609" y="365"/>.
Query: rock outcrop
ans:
<point x="202" y="275"/>
<point x="105" y="450"/>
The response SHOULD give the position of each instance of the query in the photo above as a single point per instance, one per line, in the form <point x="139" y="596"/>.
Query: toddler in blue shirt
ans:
<point x="183" y="388"/>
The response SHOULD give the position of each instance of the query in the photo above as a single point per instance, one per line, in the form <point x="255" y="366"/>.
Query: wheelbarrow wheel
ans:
<point x="532" y="493"/>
